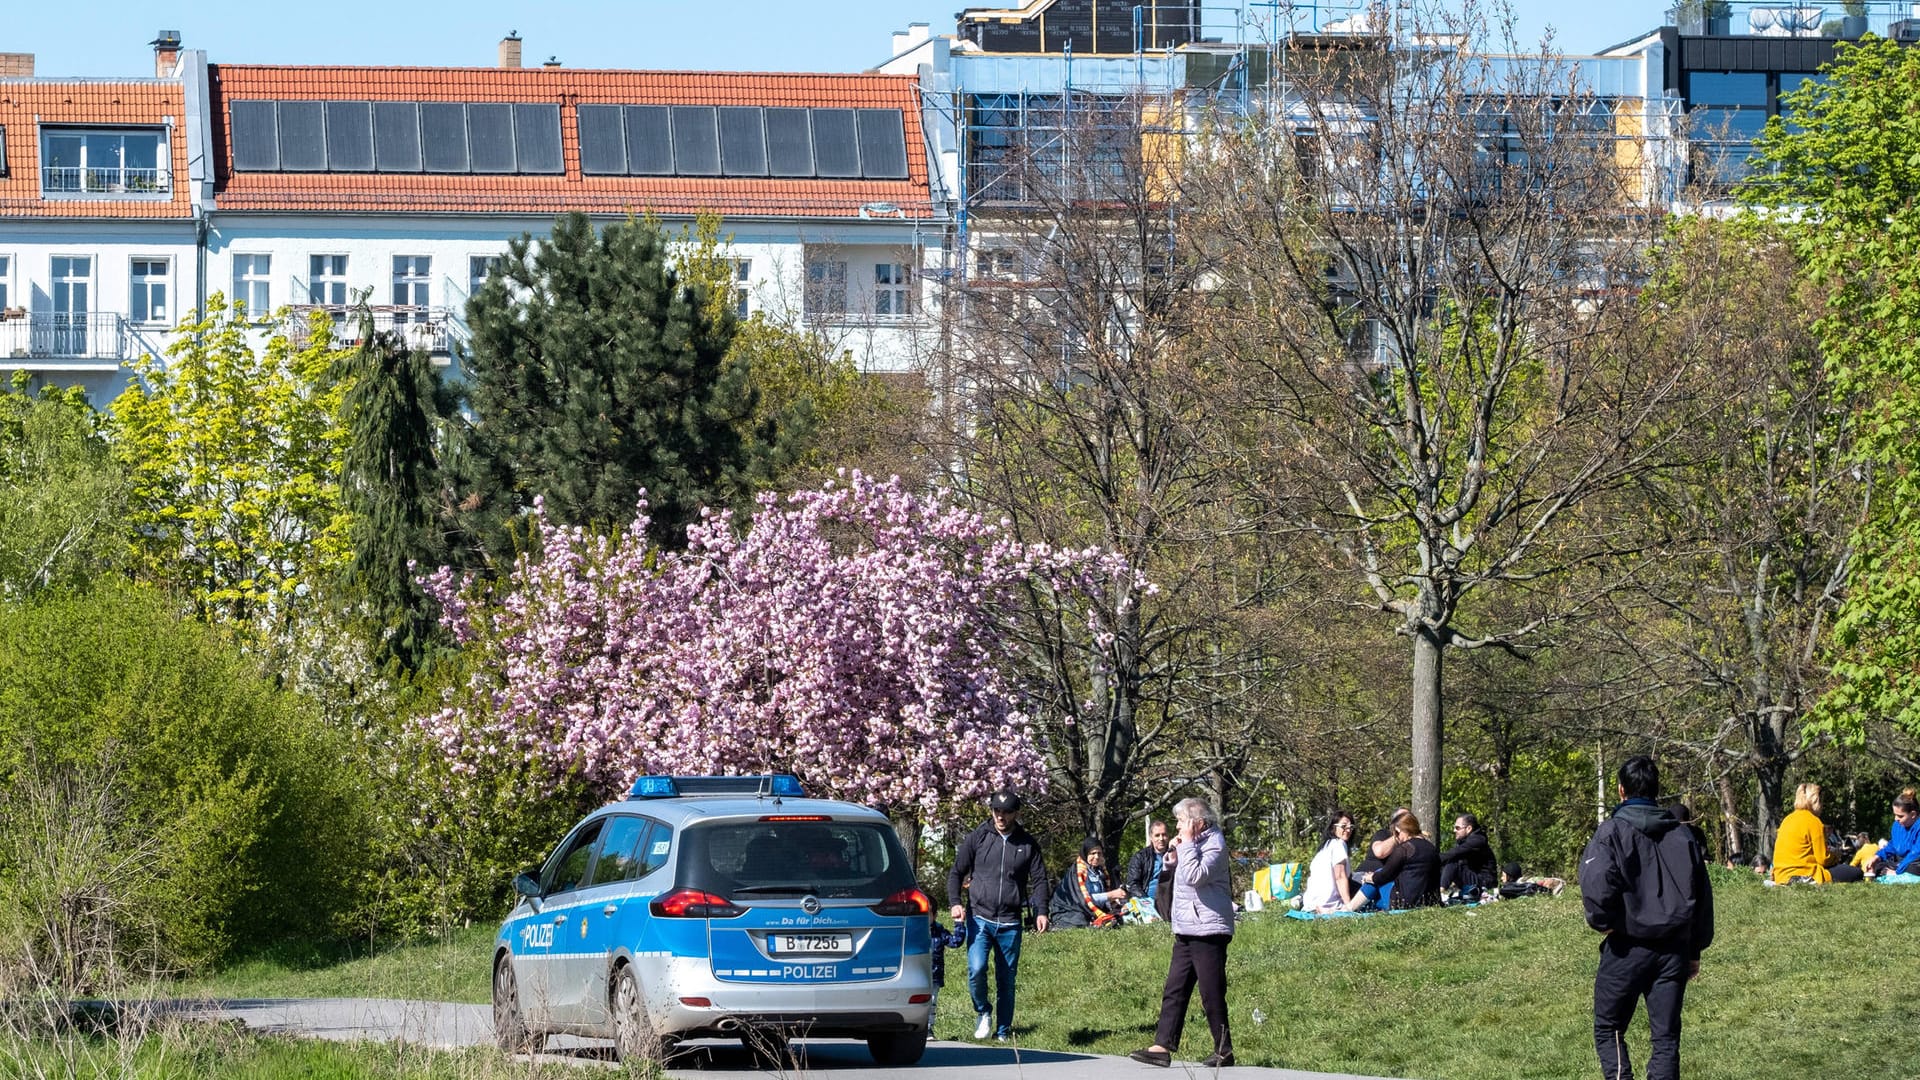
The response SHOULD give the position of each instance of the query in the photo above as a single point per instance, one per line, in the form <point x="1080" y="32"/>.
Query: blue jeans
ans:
<point x="1003" y="939"/>
<point x="1381" y="895"/>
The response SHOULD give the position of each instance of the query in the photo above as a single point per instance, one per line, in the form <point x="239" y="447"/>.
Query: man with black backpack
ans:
<point x="1644" y="882"/>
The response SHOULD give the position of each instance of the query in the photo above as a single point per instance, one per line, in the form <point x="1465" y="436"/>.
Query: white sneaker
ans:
<point x="985" y="1027"/>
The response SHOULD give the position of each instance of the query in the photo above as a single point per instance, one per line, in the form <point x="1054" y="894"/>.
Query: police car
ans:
<point x="719" y="907"/>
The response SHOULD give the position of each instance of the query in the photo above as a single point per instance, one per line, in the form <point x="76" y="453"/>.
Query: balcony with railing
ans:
<point x="59" y="180"/>
<point x="435" y="330"/>
<point x="1848" y="20"/>
<point x="58" y="339"/>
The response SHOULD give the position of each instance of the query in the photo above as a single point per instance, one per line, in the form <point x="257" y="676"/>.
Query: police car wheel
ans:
<point x="509" y="1027"/>
<point x="633" y="1036"/>
<point x="894" y="1049"/>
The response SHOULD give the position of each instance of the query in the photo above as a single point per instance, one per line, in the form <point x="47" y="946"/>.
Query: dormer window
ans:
<point x="104" y="162"/>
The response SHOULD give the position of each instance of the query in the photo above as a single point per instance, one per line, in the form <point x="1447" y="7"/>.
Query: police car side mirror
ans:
<point x="526" y="885"/>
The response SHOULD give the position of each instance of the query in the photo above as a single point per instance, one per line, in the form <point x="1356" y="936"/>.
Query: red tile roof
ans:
<point x="468" y="193"/>
<point x="25" y="104"/>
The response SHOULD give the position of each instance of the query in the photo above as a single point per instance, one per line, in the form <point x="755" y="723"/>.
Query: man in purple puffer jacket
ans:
<point x="1202" y="920"/>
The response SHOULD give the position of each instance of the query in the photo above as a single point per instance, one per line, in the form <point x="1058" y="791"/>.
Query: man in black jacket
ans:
<point x="1143" y="870"/>
<point x="1007" y="875"/>
<point x="1644" y="882"/>
<point x="1468" y="865"/>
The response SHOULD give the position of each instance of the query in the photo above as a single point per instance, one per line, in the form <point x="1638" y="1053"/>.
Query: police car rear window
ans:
<point x="794" y="858"/>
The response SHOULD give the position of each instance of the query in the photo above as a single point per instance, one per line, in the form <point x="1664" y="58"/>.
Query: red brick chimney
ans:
<point x="16" y="65"/>
<point x="166" y="53"/>
<point x="510" y="50"/>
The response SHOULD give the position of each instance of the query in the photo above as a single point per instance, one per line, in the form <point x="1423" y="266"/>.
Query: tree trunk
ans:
<point x="907" y="826"/>
<point x="1426" y="729"/>
<point x="1767" y="800"/>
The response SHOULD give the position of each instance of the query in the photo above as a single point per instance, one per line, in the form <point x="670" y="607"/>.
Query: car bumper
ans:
<point x="825" y="1010"/>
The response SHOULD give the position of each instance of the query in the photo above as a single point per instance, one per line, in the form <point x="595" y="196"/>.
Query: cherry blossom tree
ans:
<point x="852" y="634"/>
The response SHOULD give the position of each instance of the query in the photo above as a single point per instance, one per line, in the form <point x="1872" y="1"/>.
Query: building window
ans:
<point x="742" y="274"/>
<point x="479" y="269"/>
<point x="327" y="280"/>
<point x="892" y="290"/>
<point x="826" y="287"/>
<point x="128" y="162"/>
<point x="6" y="275"/>
<point x="253" y="284"/>
<point x="994" y="264"/>
<point x="150" y="302"/>
<point x="72" y="303"/>
<point x="412" y="278"/>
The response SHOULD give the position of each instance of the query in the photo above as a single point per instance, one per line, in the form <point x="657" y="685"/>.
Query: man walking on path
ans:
<point x="1008" y="875"/>
<point x="1143" y="870"/>
<point x="1644" y="882"/>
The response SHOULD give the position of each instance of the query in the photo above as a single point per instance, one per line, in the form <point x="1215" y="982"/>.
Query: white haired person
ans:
<point x="1202" y="918"/>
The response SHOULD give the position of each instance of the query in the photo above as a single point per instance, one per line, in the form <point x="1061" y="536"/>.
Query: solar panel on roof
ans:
<point x="696" y="146"/>
<point x="789" y="142"/>
<point x="603" y="140"/>
<point x="255" y="136"/>
<point x="536" y="137"/>
<point x="396" y="136"/>
<point x="836" y="148"/>
<point x="883" y="144"/>
<point x="743" y="142"/>
<point x="649" y="141"/>
<point x="349" y="136"/>
<point x="443" y="136"/>
<point x="490" y="136"/>
<point x="303" y="136"/>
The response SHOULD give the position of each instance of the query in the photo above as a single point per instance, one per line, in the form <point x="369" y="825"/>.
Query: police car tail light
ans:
<point x="694" y="904"/>
<point x="905" y="902"/>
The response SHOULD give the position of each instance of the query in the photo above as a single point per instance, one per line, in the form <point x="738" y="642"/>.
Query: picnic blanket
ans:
<point x="1898" y="879"/>
<point x="1337" y="914"/>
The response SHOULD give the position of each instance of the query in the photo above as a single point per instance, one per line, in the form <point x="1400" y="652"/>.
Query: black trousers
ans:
<point x="1200" y="960"/>
<point x="1629" y="971"/>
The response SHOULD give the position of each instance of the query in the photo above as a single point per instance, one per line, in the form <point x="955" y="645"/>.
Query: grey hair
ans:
<point x="1197" y="808"/>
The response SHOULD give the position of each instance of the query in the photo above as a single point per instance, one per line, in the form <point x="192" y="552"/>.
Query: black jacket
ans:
<point x="1008" y="873"/>
<point x="1476" y="855"/>
<point x="1414" y="869"/>
<point x="1141" y="870"/>
<point x="1644" y="876"/>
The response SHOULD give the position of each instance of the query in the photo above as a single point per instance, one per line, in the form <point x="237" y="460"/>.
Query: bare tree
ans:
<point x="1426" y="259"/>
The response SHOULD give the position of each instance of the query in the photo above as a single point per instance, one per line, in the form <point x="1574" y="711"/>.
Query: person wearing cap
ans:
<point x="1008" y="875"/>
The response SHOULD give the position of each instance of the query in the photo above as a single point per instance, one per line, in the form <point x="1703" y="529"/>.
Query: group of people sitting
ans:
<point x="1091" y="895"/>
<point x="1399" y="867"/>
<point x="1802" y="855"/>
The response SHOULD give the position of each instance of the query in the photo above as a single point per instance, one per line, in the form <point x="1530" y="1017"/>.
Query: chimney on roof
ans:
<point x="552" y="61"/>
<point x="166" y="53"/>
<point x="914" y="34"/>
<point x="16" y="65"/>
<point x="510" y="50"/>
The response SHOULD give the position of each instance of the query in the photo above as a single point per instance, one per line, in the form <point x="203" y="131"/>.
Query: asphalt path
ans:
<point x="448" y="1025"/>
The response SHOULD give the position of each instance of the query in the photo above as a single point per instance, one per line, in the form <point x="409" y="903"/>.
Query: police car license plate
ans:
<point x="810" y="943"/>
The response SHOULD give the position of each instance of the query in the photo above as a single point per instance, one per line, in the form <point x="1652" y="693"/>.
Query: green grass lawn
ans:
<point x="1801" y="982"/>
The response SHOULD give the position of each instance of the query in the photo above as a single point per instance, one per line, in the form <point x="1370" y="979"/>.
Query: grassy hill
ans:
<point x="1800" y="982"/>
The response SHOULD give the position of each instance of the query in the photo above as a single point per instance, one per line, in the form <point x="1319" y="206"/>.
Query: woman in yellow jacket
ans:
<point x="1800" y="851"/>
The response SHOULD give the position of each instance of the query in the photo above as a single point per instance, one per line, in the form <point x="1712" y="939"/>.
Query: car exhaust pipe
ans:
<point x="729" y="1024"/>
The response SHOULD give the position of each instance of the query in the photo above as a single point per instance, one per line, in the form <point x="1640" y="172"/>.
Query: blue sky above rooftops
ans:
<point x="719" y="35"/>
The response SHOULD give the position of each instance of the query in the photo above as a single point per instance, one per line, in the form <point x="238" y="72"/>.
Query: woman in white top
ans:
<point x="1329" y="885"/>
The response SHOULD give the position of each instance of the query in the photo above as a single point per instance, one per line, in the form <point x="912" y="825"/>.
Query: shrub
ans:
<point x="257" y="819"/>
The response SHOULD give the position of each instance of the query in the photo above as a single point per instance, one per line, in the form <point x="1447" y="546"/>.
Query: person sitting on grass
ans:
<point x="1468" y="864"/>
<point x="1514" y="884"/>
<point x="1901" y="853"/>
<point x="1083" y="898"/>
<point x="1800" y="850"/>
<point x="1371" y="857"/>
<point x="1412" y="868"/>
<point x="1330" y="887"/>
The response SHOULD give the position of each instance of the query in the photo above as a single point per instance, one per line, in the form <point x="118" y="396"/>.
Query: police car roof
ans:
<point x="682" y="809"/>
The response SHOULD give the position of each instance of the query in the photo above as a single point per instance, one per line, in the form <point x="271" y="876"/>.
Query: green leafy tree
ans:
<point x="62" y="495"/>
<point x="393" y="409"/>
<point x="1840" y="172"/>
<point x="596" y="370"/>
<point x="234" y="456"/>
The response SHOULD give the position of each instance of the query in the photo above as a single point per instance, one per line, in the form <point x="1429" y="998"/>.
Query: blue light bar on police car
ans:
<point x="778" y="785"/>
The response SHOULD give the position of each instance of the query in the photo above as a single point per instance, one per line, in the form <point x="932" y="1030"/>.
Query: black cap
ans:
<point x="1005" y="800"/>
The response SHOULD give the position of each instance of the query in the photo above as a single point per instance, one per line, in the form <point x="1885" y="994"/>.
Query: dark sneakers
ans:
<point x="1218" y="1061"/>
<point x="1160" y="1058"/>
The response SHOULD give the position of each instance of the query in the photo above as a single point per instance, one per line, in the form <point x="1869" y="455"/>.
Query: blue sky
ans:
<point x="109" y="37"/>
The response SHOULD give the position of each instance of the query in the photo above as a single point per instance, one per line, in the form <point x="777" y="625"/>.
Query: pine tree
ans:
<point x="594" y="371"/>
<point x="391" y="488"/>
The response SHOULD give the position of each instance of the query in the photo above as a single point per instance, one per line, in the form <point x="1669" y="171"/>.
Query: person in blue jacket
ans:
<point x="1901" y="853"/>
